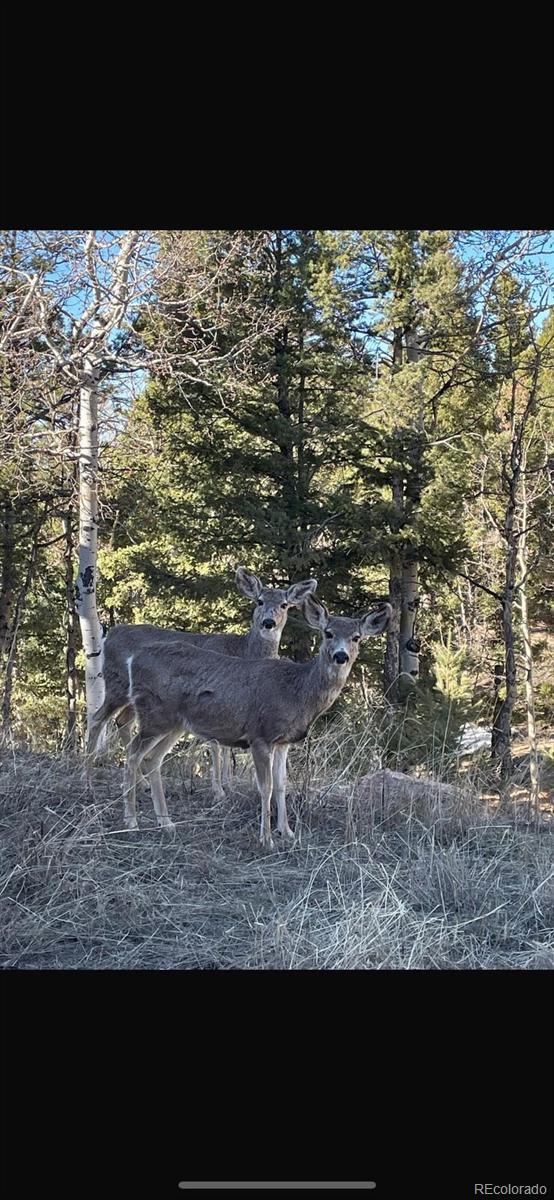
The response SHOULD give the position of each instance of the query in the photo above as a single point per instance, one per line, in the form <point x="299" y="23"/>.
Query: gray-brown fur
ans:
<point x="275" y="700"/>
<point x="270" y="604"/>
<point x="271" y="607"/>
<point x="262" y="705"/>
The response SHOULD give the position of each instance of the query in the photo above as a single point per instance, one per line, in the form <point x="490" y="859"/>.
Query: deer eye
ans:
<point x="328" y="633"/>
<point x="284" y="605"/>
<point x="260" y="601"/>
<point x="355" y="637"/>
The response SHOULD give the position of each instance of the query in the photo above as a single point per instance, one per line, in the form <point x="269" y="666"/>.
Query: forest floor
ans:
<point x="428" y="885"/>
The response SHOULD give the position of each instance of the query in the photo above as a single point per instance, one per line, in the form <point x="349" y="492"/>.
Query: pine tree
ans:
<point x="265" y="449"/>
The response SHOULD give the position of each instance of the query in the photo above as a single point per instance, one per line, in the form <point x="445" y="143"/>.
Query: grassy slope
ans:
<point x="406" y="886"/>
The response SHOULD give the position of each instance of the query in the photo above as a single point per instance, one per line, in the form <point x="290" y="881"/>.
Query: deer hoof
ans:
<point x="218" y="794"/>
<point x="267" y="842"/>
<point x="287" y="834"/>
<point x="166" y="823"/>
<point x="131" y="823"/>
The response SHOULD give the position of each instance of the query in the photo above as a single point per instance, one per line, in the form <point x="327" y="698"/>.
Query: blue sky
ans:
<point x="125" y="387"/>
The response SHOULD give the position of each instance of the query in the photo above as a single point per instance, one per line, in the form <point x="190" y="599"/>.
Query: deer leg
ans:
<point x="279" y="790"/>
<point x="124" y="720"/>
<point x="138" y="748"/>
<point x="130" y="785"/>
<point x="215" y="751"/>
<point x="154" y="766"/>
<point x="227" y="772"/>
<point x="263" y="763"/>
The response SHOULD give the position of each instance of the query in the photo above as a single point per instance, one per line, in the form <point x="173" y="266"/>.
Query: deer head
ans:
<point x="272" y="604"/>
<point x="342" y="636"/>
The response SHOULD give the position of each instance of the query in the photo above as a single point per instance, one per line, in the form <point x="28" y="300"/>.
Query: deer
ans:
<point x="264" y="706"/>
<point x="269" y="617"/>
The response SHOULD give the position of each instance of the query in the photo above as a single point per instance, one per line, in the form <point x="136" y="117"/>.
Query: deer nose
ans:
<point x="269" y="623"/>
<point x="341" y="656"/>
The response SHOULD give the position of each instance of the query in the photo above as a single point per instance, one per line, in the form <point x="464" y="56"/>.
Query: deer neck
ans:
<point x="324" y="683"/>
<point x="257" y="645"/>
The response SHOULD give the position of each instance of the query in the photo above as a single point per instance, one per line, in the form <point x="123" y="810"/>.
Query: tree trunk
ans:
<point x="21" y="601"/>
<point x="301" y="650"/>
<point x="512" y="467"/>
<point x="497" y="705"/>
<point x="401" y="667"/>
<point x="392" y="650"/>
<point x="534" y="773"/>
<point x="71" y="640"/>
<point x="502" y="729"/>
<point x="409" y="647"/>
<point x="85" y="587"/>
<point x="293" y="477"/>
<point x="8" y="574"/>
<point x="391" y="665"/>
<point x="504" y="719"/>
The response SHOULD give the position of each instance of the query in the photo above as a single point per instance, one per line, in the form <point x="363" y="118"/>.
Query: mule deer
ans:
<point x="269" y="618"/>
<point x="264" y="706"/>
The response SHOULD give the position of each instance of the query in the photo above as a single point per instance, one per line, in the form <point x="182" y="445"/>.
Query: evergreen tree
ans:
<point x="258" y="455"/>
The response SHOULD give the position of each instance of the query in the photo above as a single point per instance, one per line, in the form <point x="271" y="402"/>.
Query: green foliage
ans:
<point x="544" y="703"/>
<point x="451" y="677"/>
<point x="312" y="374"/>
<point x="427" y="733"/>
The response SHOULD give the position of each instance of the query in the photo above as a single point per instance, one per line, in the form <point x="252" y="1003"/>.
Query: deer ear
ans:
<point x="376" y="621"/>
<point x="315" y="613"/>
<point x="248" y="584"/>
<point x="298" y="592"/>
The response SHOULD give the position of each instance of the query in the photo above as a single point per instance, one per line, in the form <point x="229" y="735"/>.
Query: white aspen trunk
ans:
<point x="409" y="651"/>
<point x="391" y="666"/>
<point x="392" y="652"/>
<point x="85" y="587"/>
<point x="409" y="657"/>
<point x="534" y="773"/>
<point x="71" y="671"/>
<point x="106" y="320"/>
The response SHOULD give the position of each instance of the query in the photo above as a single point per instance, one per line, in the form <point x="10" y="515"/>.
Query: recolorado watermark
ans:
<point x="510" y="1189"/>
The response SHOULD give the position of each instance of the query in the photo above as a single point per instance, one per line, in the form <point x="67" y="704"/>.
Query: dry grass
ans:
<point x="409" y="880"/>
